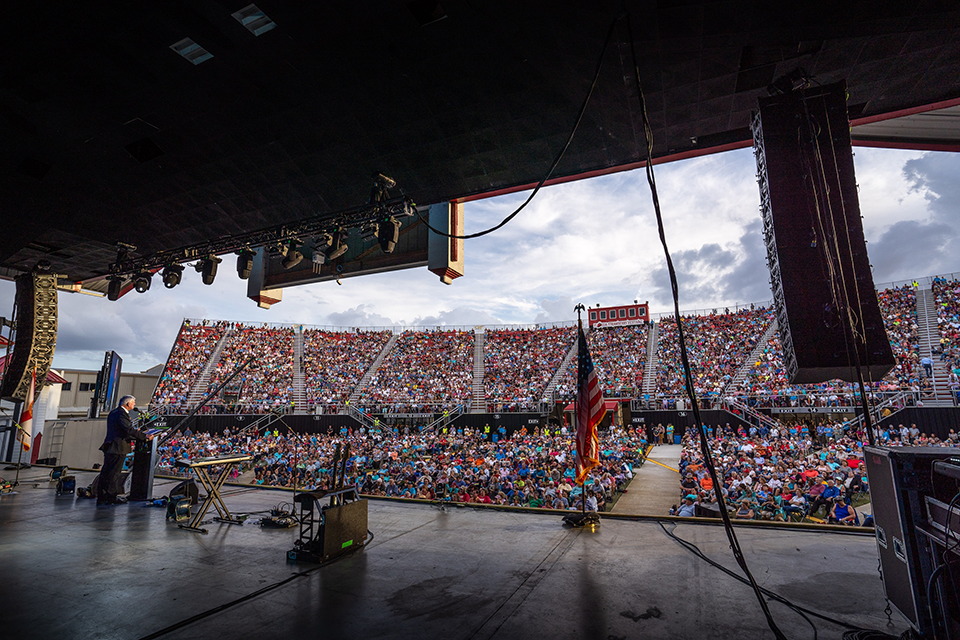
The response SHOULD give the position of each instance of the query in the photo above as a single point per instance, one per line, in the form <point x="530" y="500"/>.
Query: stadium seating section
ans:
<point x="731" y="353"/>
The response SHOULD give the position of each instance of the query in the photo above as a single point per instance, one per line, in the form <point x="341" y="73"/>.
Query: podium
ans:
<point x="144" y="466"/>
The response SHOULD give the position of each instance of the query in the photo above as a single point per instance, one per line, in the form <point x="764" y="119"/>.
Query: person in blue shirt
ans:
<point x="830" y="493"/>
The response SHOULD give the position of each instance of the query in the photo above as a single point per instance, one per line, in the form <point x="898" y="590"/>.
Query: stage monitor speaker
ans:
<point x="35" y="336"/>
<point x="823" y="293"/>
<point x="900" y="480"/>
<point x="344" y="527"/>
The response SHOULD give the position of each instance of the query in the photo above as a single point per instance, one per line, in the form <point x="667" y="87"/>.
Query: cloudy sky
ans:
<point x="592" y="241"/>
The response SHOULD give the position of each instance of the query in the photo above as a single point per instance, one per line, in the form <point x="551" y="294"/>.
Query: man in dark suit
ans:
<point x="115" y="447"/>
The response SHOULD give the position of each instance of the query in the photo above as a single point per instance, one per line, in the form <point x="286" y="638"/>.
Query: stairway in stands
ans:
<point x="562" y="369"/>
<point x="365" y="380"/>
<point x="200" y="386"/>
<point x="751" y="358"/>
<point x="299" y="382"/>
<point x="478" y="404"/>
<point x="650" y="366"/>
<point x="929" y="331"/>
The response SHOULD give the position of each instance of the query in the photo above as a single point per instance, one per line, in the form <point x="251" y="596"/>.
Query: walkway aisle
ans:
<point x="653" y="489"/>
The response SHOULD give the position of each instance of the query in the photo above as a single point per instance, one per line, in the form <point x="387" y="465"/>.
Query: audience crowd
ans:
<point x="427" y="371"/>
<point x="267" y="383"/>
<point x="717" y="346"/>
<point x="519" y="363"/>
<point x="334" y="363"/>
<point x="424" y="370"/>
<point x="947" y="298"/>
<point x="532" y="469"/>
<point x="619" y="355"/>
<point x="785" y="471"/>
<point x="766" y="384"/>
<point x="189" y="355"/>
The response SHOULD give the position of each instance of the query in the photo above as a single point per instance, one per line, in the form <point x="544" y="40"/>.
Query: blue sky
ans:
<point x="591" y="241"/>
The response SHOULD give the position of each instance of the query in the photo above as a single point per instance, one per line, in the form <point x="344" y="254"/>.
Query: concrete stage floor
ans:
<point x="75" y="570"/>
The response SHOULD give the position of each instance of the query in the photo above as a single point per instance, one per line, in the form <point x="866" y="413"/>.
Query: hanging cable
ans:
<point x="831" y="251"/>
<point x="688" y="378"/>
<point x="556" y="162"/>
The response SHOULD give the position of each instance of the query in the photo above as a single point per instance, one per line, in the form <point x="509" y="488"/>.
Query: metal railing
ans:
<point x="445" y="419"/>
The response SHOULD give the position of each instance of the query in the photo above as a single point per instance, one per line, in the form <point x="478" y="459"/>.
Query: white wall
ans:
<point x="81" y="442"/>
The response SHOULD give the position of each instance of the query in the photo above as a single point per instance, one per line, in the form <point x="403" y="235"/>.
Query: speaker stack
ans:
<point x="826" y="305"/>
<point x="35" y="337"/>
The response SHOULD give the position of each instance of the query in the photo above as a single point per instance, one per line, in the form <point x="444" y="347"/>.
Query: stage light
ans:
<point x="388" y="233"/>
<point x="142" y="282"/>
<point x="383" y="181"/>
<point x="113" y="288"/>
<point x="291" y="257"/>
<point x="208" y="268"/>
<point x="171" y="275"/>
<point x="339" y="245"/>
<point x="245" y="263"/>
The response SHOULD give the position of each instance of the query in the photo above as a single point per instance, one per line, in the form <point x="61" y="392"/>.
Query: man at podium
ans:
<point x="115" y="447"/>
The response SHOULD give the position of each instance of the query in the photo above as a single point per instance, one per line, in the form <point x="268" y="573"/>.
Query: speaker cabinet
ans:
<point x="901" y="480"/>
<point x="35" y="337"/>
<point x="826" y="305"/>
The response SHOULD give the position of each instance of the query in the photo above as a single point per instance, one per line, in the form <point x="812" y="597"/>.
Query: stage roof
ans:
<point x="168" y="124"/>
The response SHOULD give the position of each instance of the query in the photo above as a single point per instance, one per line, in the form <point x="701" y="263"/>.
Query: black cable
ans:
<point x="249" y="596"/>
<point x="556" y="162"/>
<point x="950" y="549"/>
<point x="688" y="377"/>
<point x="691" y="547"/>
<point x="930" y="582"/>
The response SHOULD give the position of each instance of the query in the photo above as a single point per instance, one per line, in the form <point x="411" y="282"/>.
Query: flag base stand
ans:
<point x="589" y="519"/>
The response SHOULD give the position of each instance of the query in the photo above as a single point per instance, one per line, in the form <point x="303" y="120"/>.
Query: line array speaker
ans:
<point x="823" y="292"/>
<point x="35" y="338"/>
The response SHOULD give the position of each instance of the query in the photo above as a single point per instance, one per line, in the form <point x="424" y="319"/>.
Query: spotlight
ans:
<point x="388" y="233"/>
<point x="339" y="245"/>
<point x="142" y="282"/>
<point x="383" y="181"/>
<point x="113" y="288"/>
<point x="245" y="263"/>
<point x="208" y="268"/>
<point x="291" y="257"/>
<point x="171" y="275"/>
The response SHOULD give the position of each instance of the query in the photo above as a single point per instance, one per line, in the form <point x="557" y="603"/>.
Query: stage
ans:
<point x="75" y="570"/>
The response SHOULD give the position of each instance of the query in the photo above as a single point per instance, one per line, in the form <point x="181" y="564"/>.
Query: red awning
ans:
<point x="52" y="378"/>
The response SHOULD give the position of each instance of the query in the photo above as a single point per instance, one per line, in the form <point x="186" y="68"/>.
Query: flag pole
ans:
<point x="576" y="412"/>
<point x="19" y="439"/>
<point x="583" y="355"/>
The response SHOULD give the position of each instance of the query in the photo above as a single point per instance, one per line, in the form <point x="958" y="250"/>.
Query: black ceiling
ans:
<point x="110" y="135"/>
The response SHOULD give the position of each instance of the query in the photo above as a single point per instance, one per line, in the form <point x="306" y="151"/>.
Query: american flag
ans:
<point x="590" y="410"/>
<point x="26" y="416"/>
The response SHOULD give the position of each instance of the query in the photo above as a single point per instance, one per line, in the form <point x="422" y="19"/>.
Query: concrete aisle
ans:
<point x="653" y="489"/>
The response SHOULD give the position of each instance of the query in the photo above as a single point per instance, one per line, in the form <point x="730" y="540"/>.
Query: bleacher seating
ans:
<point x="189" y="355"/>
<point x="717" y="346"/>
<point x="335" y="361"/>
<point x="518" y="363"/>
<point x="424" y="369"/>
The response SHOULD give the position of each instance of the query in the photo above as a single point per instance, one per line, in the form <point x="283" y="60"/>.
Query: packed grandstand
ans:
<point x="735" y="356"/>
<point x="800" y="470"/>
